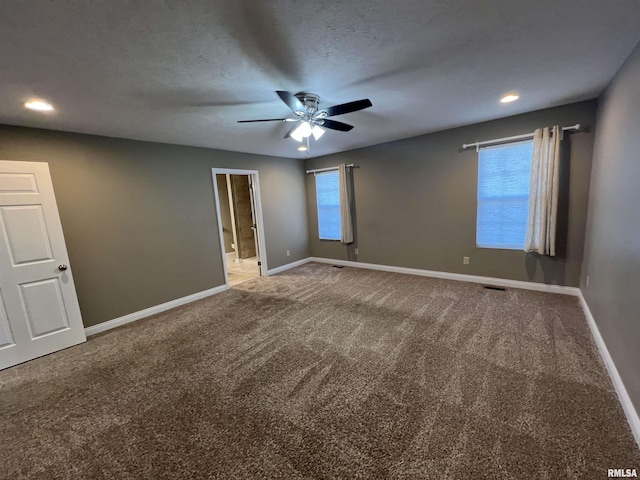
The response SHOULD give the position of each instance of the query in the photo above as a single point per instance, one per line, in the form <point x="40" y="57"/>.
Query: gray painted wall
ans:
<point x="612" y="255"/>
<point x="139" y="217"/>
<point x="416" y="201"/>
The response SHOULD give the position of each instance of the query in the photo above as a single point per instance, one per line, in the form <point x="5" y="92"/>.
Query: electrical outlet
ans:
<point x="587" y="282"/>
<point x="465" y="260"/>
<point x="355" y="250"/>
<point x="288" y="253"/>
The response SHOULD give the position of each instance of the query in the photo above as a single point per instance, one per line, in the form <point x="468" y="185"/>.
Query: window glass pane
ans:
<point x="502" y="224"/>
<point x="328" y="198"/>
<point x="503" y="195"/>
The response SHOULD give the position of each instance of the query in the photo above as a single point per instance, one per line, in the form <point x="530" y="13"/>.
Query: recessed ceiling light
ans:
<point x="39" y="105"/>
<point x="302" y="148"/>
<point x="509" y="97"/>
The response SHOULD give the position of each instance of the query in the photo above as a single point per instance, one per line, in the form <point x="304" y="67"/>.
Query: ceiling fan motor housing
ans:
<point x="311" y="101"/>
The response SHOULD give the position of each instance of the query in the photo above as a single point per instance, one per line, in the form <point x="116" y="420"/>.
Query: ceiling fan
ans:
<point x="310" y="119"/>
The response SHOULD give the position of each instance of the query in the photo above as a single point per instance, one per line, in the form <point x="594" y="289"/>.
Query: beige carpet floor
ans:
<point x="323" y="372"/>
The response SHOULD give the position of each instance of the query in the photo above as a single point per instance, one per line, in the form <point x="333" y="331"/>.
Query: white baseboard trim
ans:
<point x="147" y="312"/>
<point x="627" y="406"/>
<point x="461" y="277"/>
<point x="288" y="266"/>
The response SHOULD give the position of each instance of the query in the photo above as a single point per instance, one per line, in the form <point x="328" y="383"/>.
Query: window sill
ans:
<point x="502" y="247"/>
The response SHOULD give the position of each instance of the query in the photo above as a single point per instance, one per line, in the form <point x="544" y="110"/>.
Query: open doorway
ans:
<point x="240" y="223"/>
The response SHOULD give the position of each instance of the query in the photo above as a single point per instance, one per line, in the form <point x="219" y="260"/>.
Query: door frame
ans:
<point x="255" y="180"/>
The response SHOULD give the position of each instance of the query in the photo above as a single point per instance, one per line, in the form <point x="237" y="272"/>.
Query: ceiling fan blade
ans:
<point x="348" y="107"/>
<point x="265" y="120"/>
<point x="333" y="125"/>
<point x="291" y="100"/>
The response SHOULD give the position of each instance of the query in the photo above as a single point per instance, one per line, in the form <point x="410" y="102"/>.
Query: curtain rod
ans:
<point x="477" y="145"/>
<point x="318" y="170"/>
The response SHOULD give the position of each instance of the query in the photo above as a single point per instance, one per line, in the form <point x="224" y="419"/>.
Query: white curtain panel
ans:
<point x="543" y="195"/>
<point x="346" y="234"/>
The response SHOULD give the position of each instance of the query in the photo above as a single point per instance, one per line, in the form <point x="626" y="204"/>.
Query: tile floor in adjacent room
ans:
<point x="242" y="270"/>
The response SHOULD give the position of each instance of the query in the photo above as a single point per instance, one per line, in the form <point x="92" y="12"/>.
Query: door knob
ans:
<point x="62" y="268"/>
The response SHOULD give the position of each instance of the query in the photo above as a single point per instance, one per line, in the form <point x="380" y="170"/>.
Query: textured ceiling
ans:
<point x="183" y="72"/>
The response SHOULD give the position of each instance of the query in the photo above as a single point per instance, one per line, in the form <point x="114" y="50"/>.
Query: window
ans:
<point x="503" y="195"/>
<point x="328" y="198"/>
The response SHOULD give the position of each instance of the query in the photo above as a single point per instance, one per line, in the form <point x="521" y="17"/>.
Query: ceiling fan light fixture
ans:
<point x="296" y="135"/>
<point x="317" y="132"/>
<point x="303" y="131"/>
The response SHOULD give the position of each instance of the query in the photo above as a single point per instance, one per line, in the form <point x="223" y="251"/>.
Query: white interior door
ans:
<point x="39" y="312"/>
<point x="254" y="219"/>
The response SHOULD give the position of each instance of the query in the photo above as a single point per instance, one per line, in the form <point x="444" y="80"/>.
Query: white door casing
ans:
<point x="39" y="311"/>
